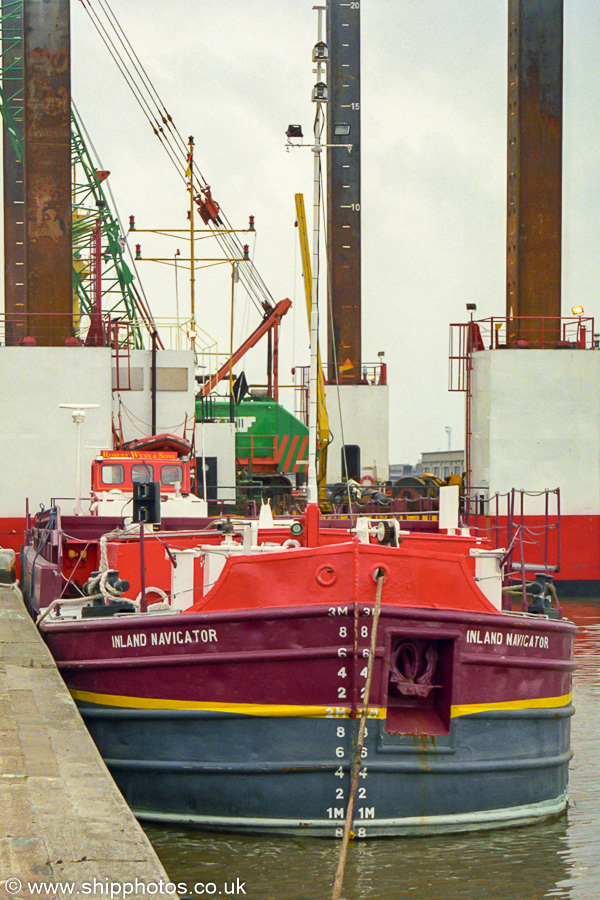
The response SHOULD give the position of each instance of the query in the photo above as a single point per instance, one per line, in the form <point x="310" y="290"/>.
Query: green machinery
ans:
<point x="271" y="446"/>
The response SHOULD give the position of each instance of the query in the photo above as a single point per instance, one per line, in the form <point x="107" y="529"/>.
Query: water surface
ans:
<point x="559" y="859"/>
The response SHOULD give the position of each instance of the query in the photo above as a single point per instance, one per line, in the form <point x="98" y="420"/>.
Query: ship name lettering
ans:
<point x="489" y="637"/>
<point x="474" y="637"/>
<point x="189" y="636"/>
<point x="130" y="640"/>
<point x="527" y="640"/>
<point x="512" y="639"/>
<point x="493" y="637"/>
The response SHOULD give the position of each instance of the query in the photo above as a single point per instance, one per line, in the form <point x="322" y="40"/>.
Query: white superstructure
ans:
<point x="535" y="424"/>
<point x="363" y="431"/>
<point x="38" y="441"/>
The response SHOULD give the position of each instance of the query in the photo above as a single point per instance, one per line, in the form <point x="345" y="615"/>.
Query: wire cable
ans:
<point x="147" y="97"/>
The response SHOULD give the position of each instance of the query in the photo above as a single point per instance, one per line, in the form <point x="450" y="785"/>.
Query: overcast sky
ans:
<point x="235" y="73"/>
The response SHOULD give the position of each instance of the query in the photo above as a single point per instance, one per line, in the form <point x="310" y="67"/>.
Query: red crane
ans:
<point x="272" y="319"/>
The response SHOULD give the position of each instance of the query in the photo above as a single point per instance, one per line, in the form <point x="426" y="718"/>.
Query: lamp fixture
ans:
<point x="320" y="52"/>
<point x="341" y="128"/>
<point x="320" y="93"/>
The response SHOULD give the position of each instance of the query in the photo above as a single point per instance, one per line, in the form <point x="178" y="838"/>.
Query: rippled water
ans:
<point x="559" y="859"/>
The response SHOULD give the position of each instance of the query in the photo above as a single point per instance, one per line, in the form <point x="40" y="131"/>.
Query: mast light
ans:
<point x="320" y="93"/>
<point x="320" y="52"/>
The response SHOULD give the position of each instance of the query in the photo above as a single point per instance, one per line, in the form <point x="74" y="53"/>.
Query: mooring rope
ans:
<point x="339" y="875"/>
<point x="99" y="587"/>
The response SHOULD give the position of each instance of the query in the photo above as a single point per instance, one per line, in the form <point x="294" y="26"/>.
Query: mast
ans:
<point x="190" y="174"/>
<point x="319" y="96"/>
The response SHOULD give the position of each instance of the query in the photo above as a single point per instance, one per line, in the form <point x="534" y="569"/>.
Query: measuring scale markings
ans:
<point x="363" y="812"/>
<point x="343" y="186"/>
<point x="342" y="745"/>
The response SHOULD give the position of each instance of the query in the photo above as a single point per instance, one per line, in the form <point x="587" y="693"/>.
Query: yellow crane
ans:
<point x="322" y="417"/>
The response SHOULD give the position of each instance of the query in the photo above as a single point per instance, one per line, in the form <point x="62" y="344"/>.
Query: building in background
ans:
<point x="441" y="463"/>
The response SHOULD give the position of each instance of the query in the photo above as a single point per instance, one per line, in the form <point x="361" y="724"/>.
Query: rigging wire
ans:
<point x="153" y="93"/>
<point x="141" y="302"/>
<point x="145" y="82"/>
<point x="230" y="242"/>
<point x="129" y="80"/>
<point x="147" y="97"/>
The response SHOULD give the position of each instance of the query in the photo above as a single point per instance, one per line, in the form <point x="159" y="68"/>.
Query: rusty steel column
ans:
<point x="13" y="177"/>
<point x="534" y="196"/>
<point x="343" y="192"/>
<point x="48" y="170"/>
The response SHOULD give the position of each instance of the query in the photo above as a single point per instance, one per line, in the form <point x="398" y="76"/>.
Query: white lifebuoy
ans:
<point x="291" y="542"/>
<point x="153" y="590"/>
<point x="367" y="479"/>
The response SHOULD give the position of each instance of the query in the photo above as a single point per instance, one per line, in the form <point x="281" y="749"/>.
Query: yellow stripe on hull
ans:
<point x="288" y="711"/>
<point x="468" y="709"/>
<point x="242" y="709"/>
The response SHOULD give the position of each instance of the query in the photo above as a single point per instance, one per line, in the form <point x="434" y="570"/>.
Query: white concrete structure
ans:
<point x="38" y="439"/>
<point x="216" y="442"/>
<point x="364" y="425"/>
<point x="535" y="424"/>
<point x="175" y="393"/>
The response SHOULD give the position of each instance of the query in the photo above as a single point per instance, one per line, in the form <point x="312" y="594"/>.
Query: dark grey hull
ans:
<point x="291" y="774"/>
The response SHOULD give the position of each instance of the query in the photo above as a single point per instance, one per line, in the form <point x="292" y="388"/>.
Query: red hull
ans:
<point x="577" y="550"/>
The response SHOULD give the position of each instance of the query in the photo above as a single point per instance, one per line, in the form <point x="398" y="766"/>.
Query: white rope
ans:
<point x="162" y="604"/>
